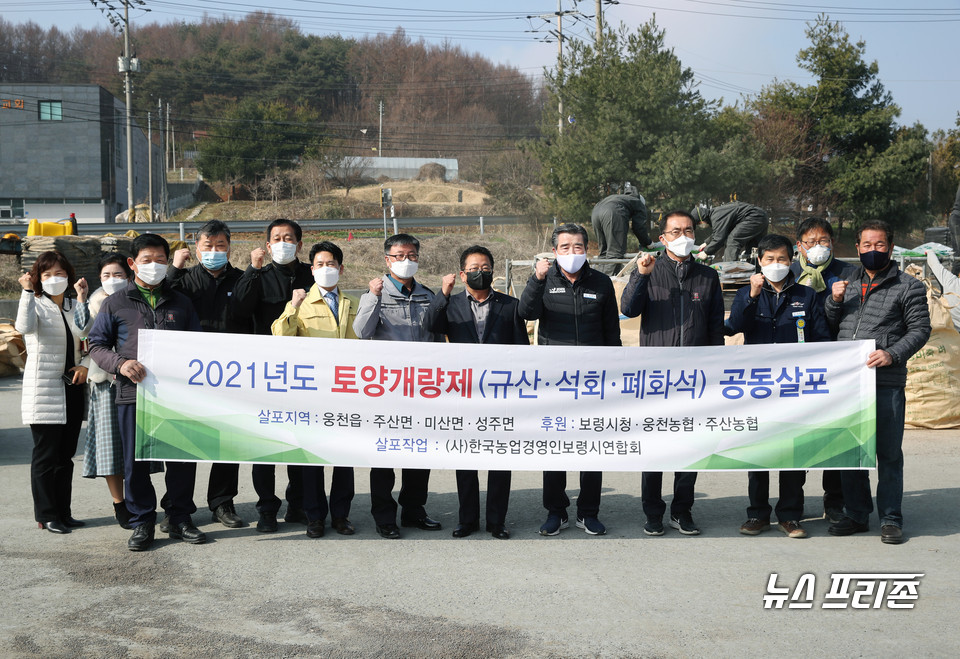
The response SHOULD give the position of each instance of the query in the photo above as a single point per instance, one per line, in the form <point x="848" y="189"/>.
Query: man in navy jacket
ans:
<point x="773" y="308"/>
<point x="148" y="302"/>
<point x="478" y="315"/>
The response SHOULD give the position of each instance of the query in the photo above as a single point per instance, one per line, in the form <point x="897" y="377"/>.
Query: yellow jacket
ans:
<point x="314" y="317"/>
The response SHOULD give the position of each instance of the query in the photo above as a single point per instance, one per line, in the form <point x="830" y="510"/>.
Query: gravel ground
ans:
<point x="245" y="594"/>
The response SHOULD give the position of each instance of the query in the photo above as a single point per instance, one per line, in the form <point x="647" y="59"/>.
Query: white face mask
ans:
<point x="571" y="262"/>
<point x="327" y="276"/>
<point x="818" y="254"/>
<point x="54" y="285"/>
<point x="151" y="274"/>
<point x="681" y="246"/>
<point x="404" y="269"/>
<point x="283" y="252"/>
<point x="775" y="272"/>
<point x="113" y="284"/>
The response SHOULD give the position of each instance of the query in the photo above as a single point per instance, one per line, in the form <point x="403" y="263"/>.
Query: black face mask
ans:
<point x="875" y="260"/>
<point x="479" y="280"/>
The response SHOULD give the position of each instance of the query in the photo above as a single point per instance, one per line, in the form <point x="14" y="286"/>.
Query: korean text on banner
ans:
<point x="298" y="400"/>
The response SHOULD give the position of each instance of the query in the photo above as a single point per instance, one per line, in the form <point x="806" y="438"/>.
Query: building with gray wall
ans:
<point x="63" y="150"/>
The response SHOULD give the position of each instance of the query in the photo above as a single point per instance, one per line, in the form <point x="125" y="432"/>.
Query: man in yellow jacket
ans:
<point x="325" y="312"/>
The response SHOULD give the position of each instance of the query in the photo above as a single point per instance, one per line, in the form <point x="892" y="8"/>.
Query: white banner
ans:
<point x="240" y="398"/>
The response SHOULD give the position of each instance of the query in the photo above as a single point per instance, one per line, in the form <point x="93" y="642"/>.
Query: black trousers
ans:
<point x="832" y="490"/>
<point x="315" y="497"/>
<point x="413" y="494"/>
<point x="498" y="496"/>
<point x="555" y="498"/>
<point x="265" y="485"/>
<point x="789" y="504"/>
<point x="651" y="488"/>
<point x="51" y="466"/>
<point x="224" y="484"/>
<point x="141" y="499"/>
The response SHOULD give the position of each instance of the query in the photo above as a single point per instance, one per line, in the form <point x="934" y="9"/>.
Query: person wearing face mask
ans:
<point x="327" y="312"/>
<point x="576" y="306"/>
<point x="774" y="308"/>
<point x="478" y="315"/>
<point x="882" y="303"/>
<point x="680" y="304"/>
<point x="210" y="286"/>
<point x="52" y="401"/>
<point x="262" y="293"/>
<point x="148" y="302"/>
<point x="817" y="268"/>
<point x="103" y="447"/>
<point x="735" y="228"/>
<point x="393" y="310"/>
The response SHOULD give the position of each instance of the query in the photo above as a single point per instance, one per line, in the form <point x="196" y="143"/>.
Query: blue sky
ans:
<point x="735" y="47"/>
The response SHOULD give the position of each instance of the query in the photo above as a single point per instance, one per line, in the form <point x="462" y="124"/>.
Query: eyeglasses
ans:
<point x="676" y="233"/>
<point x="404" y="257"/>
<point x="485" y="268"/>
<point x="823" y="242"/>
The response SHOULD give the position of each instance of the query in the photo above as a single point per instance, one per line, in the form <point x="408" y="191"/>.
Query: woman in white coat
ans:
<point x="53" y="395"/>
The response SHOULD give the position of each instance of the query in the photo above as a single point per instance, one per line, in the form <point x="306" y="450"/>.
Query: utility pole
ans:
<point x="380" y="134"/>
<point x="150" y="167"/>
<point x="560" y="65"/>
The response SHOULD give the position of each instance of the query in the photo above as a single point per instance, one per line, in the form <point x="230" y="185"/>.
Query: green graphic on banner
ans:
<point x="851" y="440"/>
<point x="173" y="436"/>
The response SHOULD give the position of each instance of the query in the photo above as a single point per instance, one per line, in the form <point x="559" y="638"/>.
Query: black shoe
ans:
<point x="389" y="531"/>
<point x="295" y="515"/>
<point x="847" y="526"/>
<point x="72" y="523"/>
<point x="165" y="525"/>
<point x="890" y="534"/>
<point x="833" y="515"/>
<point x="122" y="514"/>
<point x="463" y="530"/>
<point x="55" y="526"/>
<point x="187" y="532"/>
<point x="227" y="515"/>
<point x="315" y="529"/>
<point x="498" y="532"/>
<point x="654" y="526"/>
<point x="683" y="522"/>
<point x="142" y="538"/>
<point x="343" y="526"/>
<point x="267" y="523"/>
<point x="424" y="523"/>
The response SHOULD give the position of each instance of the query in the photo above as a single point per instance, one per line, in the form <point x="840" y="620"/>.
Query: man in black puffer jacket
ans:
<point x="879" y="302"/>
<point x="576" y="306"/>
<point x="680" y="303"/>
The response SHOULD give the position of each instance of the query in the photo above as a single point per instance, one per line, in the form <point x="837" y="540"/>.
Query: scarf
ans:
<point x="813" y="275"/>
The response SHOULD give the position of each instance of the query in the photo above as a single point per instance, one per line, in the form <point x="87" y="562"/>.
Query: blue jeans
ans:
<point x="891" y="407"/>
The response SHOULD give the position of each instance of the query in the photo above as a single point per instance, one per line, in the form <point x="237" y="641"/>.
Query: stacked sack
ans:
<point x="83" y="253"/>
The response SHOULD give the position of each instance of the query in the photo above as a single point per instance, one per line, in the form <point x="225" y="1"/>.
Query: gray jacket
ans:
<point x="894" y="313"/>
<point x="393" y="316"/>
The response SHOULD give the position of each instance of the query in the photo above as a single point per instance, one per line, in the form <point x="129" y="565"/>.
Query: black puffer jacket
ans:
<point x="677" y="305"/>
<point x="894" y="313"/>
<point x="583" y="313"/>
<point x="212" y="297"/>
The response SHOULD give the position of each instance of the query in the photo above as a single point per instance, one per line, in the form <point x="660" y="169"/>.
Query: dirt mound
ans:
<point x="433" y="172"/>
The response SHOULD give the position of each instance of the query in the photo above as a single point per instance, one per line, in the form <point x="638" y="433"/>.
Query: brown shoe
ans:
<point x="890" y="534"/>
<point x="792" y="529"/>
<point x="754" y="526"/>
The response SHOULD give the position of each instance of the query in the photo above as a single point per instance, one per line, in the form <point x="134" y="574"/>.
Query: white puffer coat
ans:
<point x="40" y="321"/>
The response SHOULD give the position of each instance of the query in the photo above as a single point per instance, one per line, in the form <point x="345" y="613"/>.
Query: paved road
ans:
<point x="250" y="595"/>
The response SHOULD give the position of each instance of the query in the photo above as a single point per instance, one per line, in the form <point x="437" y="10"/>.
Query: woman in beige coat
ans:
<point x="52" y="396"/>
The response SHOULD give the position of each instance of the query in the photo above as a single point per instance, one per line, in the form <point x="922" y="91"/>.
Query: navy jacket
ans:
<point x="114" y="337"/>
<point x="772" y="317"/>
<point x="676" y="307"/>
<point x="453" y="317"/>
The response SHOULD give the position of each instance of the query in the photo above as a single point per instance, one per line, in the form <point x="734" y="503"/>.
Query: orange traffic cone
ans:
<point x="350" y="235"/>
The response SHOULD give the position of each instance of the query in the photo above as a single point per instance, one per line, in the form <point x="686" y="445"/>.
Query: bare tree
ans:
<point x="344" y="170"/>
